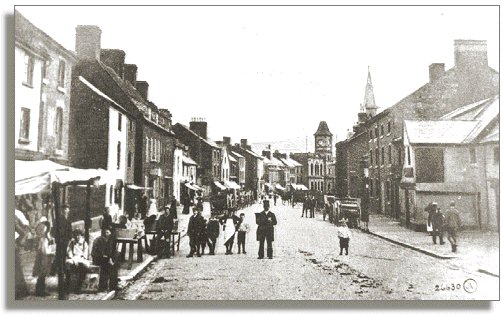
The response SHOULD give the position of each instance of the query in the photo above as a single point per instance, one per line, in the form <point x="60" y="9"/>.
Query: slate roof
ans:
<point x="207" y="141"/>
<point x="323" y="129"/>
<point x="438" y="132"/>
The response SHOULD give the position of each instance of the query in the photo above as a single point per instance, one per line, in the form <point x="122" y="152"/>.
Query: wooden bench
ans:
<point x="173" y="239"/>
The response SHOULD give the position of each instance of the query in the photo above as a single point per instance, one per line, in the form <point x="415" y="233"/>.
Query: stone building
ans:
<point x="43" y="73"/>
<point x="254" y="170"/>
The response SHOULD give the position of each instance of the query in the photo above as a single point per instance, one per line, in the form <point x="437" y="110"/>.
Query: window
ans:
<point x="383" y="156"/>
<point x="377" y="156"/>
<point x="118" y="155"/>
<point x="389" y="126"/>
<point x="28" y="70"/>
<point x="152" y="149"/>
<point x="59" y="128"/>
<point x="408" y="155"/>
<point x="389" y="154"/>
<point x="24" y="126"/>
<point x="129" y="158"/>
<point x="473" y="156"/>
<point x="146" y="148"/>
<point x="119" y="123"/>
<point x="388" y="190"/>
<point x="111" y="194"/>
<point x="61" y="73"/>
<point x="130" y="125"/>
<point x="382" y="130"/>
<point x="44" y="69"/>
<point x="371" y="158"/>
<point x="376" y="132"/>
<point x="370" y="134"/>
<point x="496" y="155"/>
<point x="429" y="165"/>
<point x="371" y="188"/>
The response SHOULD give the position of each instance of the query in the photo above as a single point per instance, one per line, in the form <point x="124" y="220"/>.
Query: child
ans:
<point x="242" y="230"/>
<point x="344" y="234"/>
<point x="43" y="259"/>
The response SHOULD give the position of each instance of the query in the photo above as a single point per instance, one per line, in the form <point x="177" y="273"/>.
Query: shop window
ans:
<point x="429" y="165"/>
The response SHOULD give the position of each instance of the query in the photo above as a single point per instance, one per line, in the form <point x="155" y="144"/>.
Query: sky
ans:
<point x="271" y="74"/>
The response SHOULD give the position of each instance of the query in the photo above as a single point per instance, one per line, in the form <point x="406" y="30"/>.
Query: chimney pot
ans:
<point x="244" y="143"/>
<point x="470" y="53"/>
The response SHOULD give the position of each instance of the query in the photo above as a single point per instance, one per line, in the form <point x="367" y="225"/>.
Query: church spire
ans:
<point x="369" y="102"/>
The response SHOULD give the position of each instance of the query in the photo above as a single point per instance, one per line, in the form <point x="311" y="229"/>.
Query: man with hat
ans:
<point x="437" y="221"/>
<point x="266" y="220"/>
<point x="452" y="224"/>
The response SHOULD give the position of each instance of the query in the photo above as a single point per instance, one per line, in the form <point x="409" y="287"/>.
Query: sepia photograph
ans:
<point x="255" y="153"/>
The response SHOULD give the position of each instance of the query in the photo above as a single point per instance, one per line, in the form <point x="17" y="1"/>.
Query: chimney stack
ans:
<point x="227" y="140"/>
<point x="88" y="42"/>
<point x="471" y="54"/>
<point x="200" y="127"/>
<point x="114" y="58"/>
<point x="244" y="143"/>
<point x="130" y="72"/>
<point x="437" y="70"/>
<point x="142" y="88"/>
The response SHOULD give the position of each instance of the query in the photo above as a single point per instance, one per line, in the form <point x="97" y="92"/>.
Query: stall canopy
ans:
<point x="299" y="187"/>
<point x="135" y="187"/>
<point x="36" y="176"/>
<point x="268" y="185"/>
<point x="192" y="186"/>
<point x="232" y="185"/>
<point x="220" y="186"/>
<point x="278" y="186"/>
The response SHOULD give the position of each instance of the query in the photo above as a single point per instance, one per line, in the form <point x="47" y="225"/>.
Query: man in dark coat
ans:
<point x="213" y="230"/>
<point x="163" y="228"/>
<point x="195" y="231"/>
<point x="437" y="221"/>
<point x="306" y="206"/>
<point x="104" y="255"/>
<point x="236" y="221"/>
<point x="266" y="221"/>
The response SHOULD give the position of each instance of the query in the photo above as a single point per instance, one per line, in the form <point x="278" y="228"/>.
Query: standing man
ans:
<point x="194" y="231"/>
<point x="437" y="220"/>
<point x="452" y="224"/>
<point x="313" y="205"/>
<point x="103" y="254"/>
<point x="275" y="196"/>
<point x="244" y="228"/>
<point x="305" y="206"/>
<point x="266" y="221"/>
<point x="213" y="229"/>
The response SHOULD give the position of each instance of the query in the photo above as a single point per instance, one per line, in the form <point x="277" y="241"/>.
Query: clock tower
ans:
<point x="323" y="140"/>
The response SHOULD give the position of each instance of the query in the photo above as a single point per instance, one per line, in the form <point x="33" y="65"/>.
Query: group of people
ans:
<point x="309" y="206"/>
<point x="71" y="247"/>
<point x="439" y="222"/>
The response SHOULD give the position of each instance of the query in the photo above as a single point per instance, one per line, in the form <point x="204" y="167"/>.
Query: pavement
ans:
<point x="478" y="250"/>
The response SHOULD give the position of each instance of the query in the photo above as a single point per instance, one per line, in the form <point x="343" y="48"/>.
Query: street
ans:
<point x="307" y="266"/>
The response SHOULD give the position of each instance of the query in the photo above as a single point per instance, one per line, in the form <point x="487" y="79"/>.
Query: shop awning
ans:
<point x="197" y="187"/>
<point x="188" y="160"/>
<point x="36" y="176"/>
<point x="220" y="186"/>
<point x="302" y="187"/>
<point x="135" y="187"/>
<point x="232" y="185"/>
<point x="278" y="186"/>
<point x="193" y="186"/>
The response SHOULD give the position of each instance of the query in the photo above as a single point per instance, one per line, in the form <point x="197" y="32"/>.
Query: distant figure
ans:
<point x="22" y="229"/>
<point x="152" y="210"/>
<point x="266" y="220"/>
<point x="163" y="231"/>
<point x="106" y="220"/>
<point x="452" y="225"/>
<point x="344" y="235"/>
<point x="275" y="197"/>
<point x="230" y="223"/>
